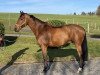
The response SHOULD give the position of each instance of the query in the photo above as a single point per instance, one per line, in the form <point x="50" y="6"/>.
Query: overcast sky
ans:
<point x="49" y="6"/>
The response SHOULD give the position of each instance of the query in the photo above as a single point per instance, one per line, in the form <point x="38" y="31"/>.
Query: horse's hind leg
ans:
<point x="79" y="50"/>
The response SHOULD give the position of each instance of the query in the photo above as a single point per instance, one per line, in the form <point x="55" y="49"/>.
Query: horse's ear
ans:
<point x="21" y="12"/>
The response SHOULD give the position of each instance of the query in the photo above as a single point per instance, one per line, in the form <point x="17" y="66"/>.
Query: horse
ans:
<point x="49" y="36"/>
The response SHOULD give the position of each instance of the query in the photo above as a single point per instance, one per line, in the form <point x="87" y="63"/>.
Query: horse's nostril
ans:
<point x="15" y="29"/>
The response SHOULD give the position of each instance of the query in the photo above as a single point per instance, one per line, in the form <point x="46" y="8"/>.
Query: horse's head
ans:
<point x="21" y="22"/>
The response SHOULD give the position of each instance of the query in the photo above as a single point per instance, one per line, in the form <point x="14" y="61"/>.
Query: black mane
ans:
<point x="34" y="18"/>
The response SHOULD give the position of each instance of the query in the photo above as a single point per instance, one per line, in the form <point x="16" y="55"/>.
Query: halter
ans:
<point x="22" y="23"/>
<point x="19" y="25"/>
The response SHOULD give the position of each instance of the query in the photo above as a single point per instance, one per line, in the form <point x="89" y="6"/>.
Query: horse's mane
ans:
<point x="34" y="18"/>
<point x="42" y="22"/>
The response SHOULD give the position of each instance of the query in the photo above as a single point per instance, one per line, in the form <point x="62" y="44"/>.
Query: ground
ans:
<point x="15" y="55"/>
<point x="24" y="50"/>
<point x="92" y="67"/>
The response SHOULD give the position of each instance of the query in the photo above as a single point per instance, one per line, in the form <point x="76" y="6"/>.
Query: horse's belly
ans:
<point x="55" y="45"/>
<point x="58" y="41"/>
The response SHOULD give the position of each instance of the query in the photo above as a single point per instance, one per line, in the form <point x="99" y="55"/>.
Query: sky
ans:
<point x="49" y="6"/>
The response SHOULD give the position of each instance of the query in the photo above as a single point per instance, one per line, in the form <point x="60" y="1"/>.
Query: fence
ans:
<point x="91" y="24"/>
<point x="90" y="27"/>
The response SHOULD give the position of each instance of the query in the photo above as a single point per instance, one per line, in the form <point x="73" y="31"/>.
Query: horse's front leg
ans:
<point x="44" y="53"/>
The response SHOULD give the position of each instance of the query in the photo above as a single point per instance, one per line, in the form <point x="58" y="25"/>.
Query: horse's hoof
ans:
<point x="79" y="70"/>
<point x="46" y="69"/>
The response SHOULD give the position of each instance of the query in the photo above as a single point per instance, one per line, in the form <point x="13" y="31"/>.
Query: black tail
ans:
<point x="84" y="49"/>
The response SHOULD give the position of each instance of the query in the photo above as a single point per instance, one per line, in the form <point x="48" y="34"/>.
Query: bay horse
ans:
<point x="49" y="36"/>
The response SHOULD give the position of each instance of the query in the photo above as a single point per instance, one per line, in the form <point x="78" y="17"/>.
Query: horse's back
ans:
<point x="74" y="27"/>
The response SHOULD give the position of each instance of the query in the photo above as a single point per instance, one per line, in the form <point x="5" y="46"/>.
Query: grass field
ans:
<point x="23" y="49"/>
<point x="9" y="20"/>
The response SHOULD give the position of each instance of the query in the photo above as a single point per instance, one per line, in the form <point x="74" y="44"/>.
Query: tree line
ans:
<point x="97" y="12"/>
<point x="84" y="13"/>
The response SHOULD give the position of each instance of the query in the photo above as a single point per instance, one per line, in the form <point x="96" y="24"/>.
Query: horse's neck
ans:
<point x="36" y="26"/>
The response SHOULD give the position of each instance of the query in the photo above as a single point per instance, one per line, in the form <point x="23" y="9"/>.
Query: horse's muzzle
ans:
<point x="16" y="30"/>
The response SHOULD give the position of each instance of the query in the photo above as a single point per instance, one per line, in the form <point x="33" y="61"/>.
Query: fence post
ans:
<point x="88" y="28"/>
<point x="66" y="22"/>
<point x="77" y="23"/>
<point x="73" y="21"/>
<point x="9" y="19"/>
<point x="47" y="19"/>
<point x="98" y="28"/>
<point x="95" y="26"/>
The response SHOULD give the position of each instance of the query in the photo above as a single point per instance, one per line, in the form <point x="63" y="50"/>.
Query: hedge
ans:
<point x="56" y="23"/>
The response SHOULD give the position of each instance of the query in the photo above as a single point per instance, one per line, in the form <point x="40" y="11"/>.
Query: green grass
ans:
<point x="94" y="21"/>
<point x="26" y="50"/>
<point x="18" y="51"/>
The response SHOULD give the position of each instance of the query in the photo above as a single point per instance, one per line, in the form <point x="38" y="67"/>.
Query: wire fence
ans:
<point x="91" y="26"/>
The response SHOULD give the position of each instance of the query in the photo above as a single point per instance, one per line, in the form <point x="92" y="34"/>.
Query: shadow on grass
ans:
<point x="52" y="53"/>
<point x="14" y="58"/>
<point x="59" y="52"/>
<point x="9" y="40"/>
<point x="95" y="36"/>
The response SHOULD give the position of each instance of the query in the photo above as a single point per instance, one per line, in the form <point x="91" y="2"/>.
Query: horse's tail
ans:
<point x="84" y="49"/>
